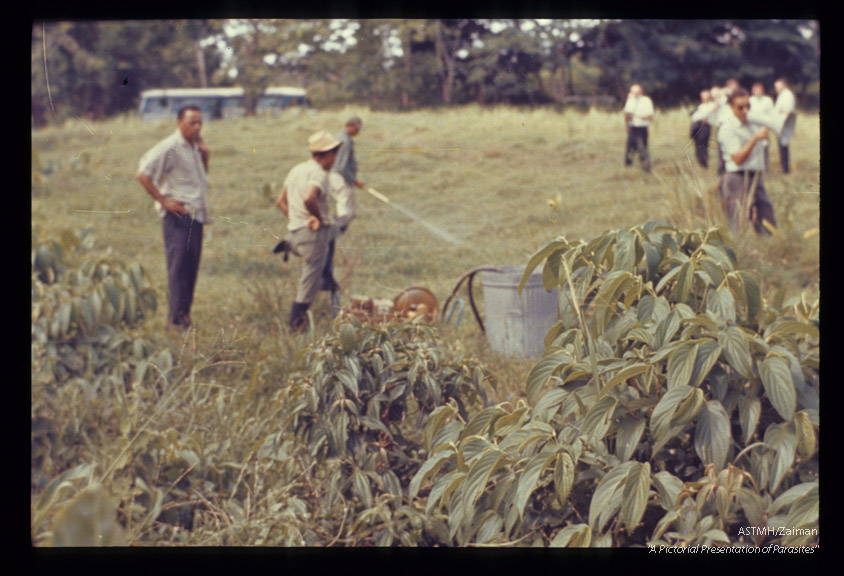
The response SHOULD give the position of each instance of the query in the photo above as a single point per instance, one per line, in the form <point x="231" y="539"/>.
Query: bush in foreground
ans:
<point x="672" y="406"/>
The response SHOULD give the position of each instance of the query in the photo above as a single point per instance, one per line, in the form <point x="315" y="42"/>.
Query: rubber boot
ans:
<point x="298" y="316"/>
<point x="329" y="284"/>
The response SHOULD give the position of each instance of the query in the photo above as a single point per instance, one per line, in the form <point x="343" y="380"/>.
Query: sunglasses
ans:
<point x="744" y="107"/>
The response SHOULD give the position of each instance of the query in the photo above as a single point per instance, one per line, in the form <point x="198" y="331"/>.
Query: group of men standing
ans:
<point x="714" y="109"/>
<point x="742" y="142"/>
<point x="174" y="173"/>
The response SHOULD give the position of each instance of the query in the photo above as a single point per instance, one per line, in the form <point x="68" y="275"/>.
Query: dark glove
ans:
<point x="284" y="246"/>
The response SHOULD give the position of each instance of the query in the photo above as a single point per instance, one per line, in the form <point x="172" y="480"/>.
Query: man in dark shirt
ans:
<point x="346" y="166"/>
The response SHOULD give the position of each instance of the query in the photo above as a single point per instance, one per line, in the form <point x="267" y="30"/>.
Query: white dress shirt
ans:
<point x="639" y="108"/>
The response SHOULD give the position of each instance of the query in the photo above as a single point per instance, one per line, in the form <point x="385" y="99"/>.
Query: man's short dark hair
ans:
<point x="737" y="93"/>
<point x="184" y="109"/>
<point x="355" y="121"/>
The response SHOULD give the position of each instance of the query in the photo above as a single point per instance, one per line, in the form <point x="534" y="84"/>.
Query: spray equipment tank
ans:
<point x="416" y="301"/>
<point x="410" y="303"/>
<point x="516" y="320"/>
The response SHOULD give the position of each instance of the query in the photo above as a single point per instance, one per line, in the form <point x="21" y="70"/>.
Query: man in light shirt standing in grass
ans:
<point x="784" y="106"/>
<point x="304" y="200"/>
<point x="638" y="115"/>
<point x="761" y="103"/>
<point x="175" y="173"/>
<point x="700" y="128"/>
<point x="742" y="186"/>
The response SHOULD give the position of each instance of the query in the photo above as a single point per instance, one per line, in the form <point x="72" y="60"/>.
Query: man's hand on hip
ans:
<point x="174" y="206"/>
<point x="314" y="223"/>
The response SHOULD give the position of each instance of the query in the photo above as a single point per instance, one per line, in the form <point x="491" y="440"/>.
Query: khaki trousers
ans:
<point x="312" y="246"/>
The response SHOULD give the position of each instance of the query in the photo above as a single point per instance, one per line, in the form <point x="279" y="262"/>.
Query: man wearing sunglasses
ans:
<point x="742" y="187"/>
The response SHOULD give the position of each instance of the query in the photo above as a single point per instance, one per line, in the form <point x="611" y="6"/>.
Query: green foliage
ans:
<point x="100" y="291"/>
<point x="664" y="349"/>
<point x="356" y="413"/>
<point x="83" y="358"/>
<point x="79" y="67"/>
<point x="675" y="59"/>
<point x="89" y="519"/>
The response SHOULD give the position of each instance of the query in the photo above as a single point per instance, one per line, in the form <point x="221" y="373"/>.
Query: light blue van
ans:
<point x="215" y="103"/>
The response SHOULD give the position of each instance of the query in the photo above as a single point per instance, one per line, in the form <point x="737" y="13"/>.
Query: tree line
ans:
<point x="96" y="69"/>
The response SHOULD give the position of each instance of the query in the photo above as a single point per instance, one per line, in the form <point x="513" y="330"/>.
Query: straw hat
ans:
<point x="322" y="141"/>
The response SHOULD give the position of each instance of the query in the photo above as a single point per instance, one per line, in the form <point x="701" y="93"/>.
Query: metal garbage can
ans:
<point x="516" y="324"/>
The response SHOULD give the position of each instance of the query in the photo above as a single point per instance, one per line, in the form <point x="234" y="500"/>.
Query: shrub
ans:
<point x="357" y="412"/>
<point x="87" y="367"/>
<point x="672" y="405"/>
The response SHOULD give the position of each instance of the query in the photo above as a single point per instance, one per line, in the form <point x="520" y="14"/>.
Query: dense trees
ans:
<point x="97" y="68"/>
<point x="675" y="59"/>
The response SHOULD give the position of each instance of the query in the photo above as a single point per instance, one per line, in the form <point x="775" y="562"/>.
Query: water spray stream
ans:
<point x="436" y="230"/>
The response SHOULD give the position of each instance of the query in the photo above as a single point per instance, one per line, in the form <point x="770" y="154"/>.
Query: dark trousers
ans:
<point x="637" y="139"/>
<point x="183" y="247"/>
<point x="746" y="189"/>
<point x="784" y="158"/>
<point x="700" y="132"/>
<point x="329" y="284"/>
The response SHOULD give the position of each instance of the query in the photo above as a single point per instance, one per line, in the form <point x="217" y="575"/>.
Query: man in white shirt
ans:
<point x="304" y="200"/>
<point x="759" y="101"/>
<point x="784" y="105"/>
<point x="744" y="162"/>
<point x="175" y="173"/>
<point x="722" y="113"/>
<point x="700" y="128"/>
<point x="763" y="104"/>
<point x="638" y="115"/>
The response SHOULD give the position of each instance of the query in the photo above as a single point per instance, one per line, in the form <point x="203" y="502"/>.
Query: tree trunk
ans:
<point x="250" y="99"/>
<point x="200" y="65"/>
<point x="445" y="64"/>
<point x="97" y="103"/>
<point x="405" y="93"/>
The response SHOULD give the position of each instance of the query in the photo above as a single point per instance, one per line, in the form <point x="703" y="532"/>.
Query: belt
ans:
<point x="750" y="173"/>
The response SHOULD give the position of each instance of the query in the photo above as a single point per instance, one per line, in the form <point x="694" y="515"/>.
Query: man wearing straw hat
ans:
<point x="742" y="186"/>
<point x="304" y="200"/>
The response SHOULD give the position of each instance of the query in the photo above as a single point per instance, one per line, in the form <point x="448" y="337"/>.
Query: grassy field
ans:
<point x="503" y="181"/>
<point x="483" y="175"/>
